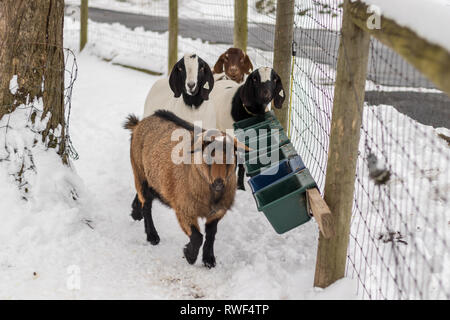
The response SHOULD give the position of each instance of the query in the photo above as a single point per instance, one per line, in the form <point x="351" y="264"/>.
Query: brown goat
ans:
<point x="192" y="190"/>
<point x="235" y="63"/>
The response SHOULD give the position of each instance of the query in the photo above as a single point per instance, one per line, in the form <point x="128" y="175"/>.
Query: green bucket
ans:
<point x="243" y="124"/>
<point x="284" y="202"/>
<point x="255" y="160"/>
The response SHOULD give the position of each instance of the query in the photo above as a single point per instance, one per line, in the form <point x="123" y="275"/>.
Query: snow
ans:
<point x="414" y="203"/>
<point x="53" y="246"/>
<point x="429" y="19"/>
<point x="191" y="9"/>
<point x="51" y="243"/>
<point x="13" y="84"/>
<point x="146" y="49"/>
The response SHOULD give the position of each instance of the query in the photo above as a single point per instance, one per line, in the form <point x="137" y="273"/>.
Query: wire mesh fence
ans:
<point x="22" y="126"/>
<point x="399" y="231"/>
<point x="399" y="240"/>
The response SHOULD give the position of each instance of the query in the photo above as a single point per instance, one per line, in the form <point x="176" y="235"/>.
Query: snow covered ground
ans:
<point x="192" y="9"/>
<point x="46" y="246"/>
<point x="429" y="19"/>
<point x="51" y="244"/>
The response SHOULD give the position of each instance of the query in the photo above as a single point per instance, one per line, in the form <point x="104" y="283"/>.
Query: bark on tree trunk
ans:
<point x="31" y="47"/>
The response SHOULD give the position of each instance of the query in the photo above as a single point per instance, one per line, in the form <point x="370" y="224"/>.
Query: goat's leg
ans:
<point x="150" y="230"/>
<point x="192" y="248"/>
<point x="241" y="173"/>
<point x="208" y="248"/>
<point x="136" y="212"/>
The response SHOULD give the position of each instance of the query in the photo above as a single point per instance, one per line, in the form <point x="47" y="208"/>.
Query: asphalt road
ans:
<point x="318" y="45"/>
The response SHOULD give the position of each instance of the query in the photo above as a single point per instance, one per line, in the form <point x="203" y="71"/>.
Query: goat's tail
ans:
<point x="131" y="122"/>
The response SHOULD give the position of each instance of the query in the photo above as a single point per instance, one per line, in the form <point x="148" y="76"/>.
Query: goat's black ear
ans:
<point x="207" y="81"/>
<point x="218" y="67"/>
<point x="176" y="81"/>
<point x="279" y="94"/>
<point x="248" y="91"/>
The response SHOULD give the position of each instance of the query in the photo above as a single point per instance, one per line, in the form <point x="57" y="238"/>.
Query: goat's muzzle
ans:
<point x="218" y="185"/>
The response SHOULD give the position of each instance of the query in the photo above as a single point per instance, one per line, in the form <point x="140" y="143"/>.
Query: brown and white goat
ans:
<point x="234" y="63"/>
<point x="193" y="189"/>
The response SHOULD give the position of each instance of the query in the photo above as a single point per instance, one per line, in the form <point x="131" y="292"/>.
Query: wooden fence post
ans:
<point x="83" y="23"/>
<point x="173" y="34"/>
<point x="343" y="150"/>
<point x="240" y="24"/>
<point x="282" y="53"/>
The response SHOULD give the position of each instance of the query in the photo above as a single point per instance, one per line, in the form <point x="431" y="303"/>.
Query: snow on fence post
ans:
<point x="430" y="59"/>
<point x="343" y="148"/>
<point x="282" y="53"/>
<point x="173" y="34"/>
<point x="83" y="23"/>
<point x="240" y="24"/>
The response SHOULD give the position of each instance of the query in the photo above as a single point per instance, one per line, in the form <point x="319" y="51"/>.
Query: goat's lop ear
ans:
<point x="175" y="80"/>
<point x="248" y="66"/>
<point x="218" y="67"/>
<point x="279" y="94"/>
<point x="248" y="90"/>
<point x="207" y="81"/>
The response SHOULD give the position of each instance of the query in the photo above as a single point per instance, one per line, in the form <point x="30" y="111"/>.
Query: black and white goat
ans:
<point x="238" y="102"/>
<point x="185" y="93"/>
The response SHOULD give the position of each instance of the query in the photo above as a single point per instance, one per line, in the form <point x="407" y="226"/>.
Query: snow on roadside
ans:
<point x="146" y="49"/>
<point x="429" y="19"/>
<point x="191" y="9"/>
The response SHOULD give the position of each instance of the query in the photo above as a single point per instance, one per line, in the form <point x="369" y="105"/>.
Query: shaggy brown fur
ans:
<point x="192" y="190"/>
<point x="235" y="63"/>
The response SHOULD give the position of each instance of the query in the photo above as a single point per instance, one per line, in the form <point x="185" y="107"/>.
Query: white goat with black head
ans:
<point x="185" y="93"/>
<point x="238" y="102"/>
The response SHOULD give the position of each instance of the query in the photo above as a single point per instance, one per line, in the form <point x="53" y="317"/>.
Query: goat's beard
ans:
<point x="216" y="196"/>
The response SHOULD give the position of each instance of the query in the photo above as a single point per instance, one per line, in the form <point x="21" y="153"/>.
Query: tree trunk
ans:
<point x="282" y="53"/>
<point x="343" y="149"/>
<point x="240" y="25"/>
<point x="173" y="35"/>
<point x="31" y="48"/>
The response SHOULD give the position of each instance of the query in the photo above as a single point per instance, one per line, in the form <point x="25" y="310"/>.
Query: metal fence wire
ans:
<point x="399" y="239"/>
<point x="33" y="109"/>
<point x="399" y="242"/>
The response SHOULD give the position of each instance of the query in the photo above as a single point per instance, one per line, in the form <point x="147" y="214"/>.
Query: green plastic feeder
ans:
<point x="254" y="120"/>
<point x="265" y="140"/>
<point x="266" y="125"/>
<point x="284" y="202"/>
<point x="255" y="160"/>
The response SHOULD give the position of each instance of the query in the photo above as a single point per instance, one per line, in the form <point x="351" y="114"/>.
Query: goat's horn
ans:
<point x="240" y="145"/>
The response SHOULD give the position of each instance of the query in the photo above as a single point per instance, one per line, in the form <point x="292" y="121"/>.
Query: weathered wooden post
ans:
<point x="173" y="34"/>
<point x="282" y="53"/>
<point x="83" y="23"/>
<point x="240" y="24"/>
<point x="343" y="149"/>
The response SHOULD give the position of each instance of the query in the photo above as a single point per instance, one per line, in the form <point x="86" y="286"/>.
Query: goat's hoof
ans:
<point x="209" y="262"/>
<point x="190" y="257"/>
<point x="136" y="215"/>
<point x="153" y="239"/>
<point x="241" y="187"/>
